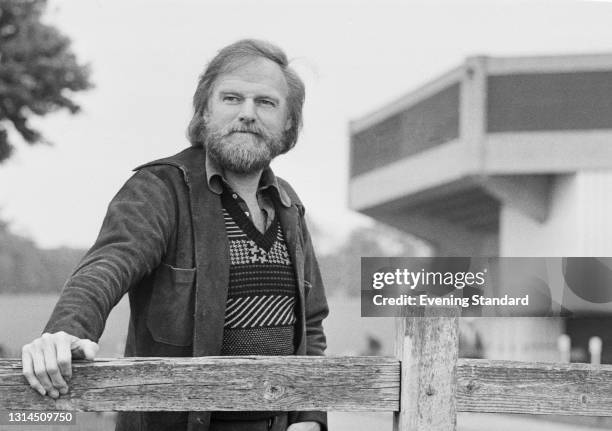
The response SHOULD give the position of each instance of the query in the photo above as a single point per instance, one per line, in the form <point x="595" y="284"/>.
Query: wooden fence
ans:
<point x="425" y="385"/>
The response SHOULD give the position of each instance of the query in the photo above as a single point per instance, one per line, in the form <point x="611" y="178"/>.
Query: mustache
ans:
<point x="246" y="129"/>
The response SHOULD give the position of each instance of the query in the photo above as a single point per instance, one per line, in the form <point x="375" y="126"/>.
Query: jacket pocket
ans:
<point x="170" y="314"/>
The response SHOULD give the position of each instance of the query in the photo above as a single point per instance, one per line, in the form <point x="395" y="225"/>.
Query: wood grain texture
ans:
<point x="322" y="383"/>
<point x="534" y="388"/>
<point x="215" y="383"/>
<point x="428" y="348"/>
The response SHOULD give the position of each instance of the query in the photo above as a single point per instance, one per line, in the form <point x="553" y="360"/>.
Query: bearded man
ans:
<point x="210" y="246"/>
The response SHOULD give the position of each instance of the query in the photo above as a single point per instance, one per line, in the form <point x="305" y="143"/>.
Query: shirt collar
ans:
<point x="215" y="180"/>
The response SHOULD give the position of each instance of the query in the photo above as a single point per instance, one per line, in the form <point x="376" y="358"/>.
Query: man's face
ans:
<point x="246" y="117"/>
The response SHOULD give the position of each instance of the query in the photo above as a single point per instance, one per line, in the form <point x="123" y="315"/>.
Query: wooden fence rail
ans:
<point x="425" y="385"/>
<point x="307" y="383"/>
<point x="217" y="383"/>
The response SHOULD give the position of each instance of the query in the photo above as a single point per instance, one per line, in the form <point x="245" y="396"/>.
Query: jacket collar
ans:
<point x="215" y="178"/>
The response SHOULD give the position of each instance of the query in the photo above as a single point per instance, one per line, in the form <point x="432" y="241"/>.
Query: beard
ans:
<point x="240" y="148"/>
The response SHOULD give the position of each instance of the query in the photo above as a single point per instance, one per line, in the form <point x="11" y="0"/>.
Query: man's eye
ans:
<point x="230" y="99"/>
<point x="267" y="102"/>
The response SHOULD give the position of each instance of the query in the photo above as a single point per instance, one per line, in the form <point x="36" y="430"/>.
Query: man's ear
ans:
<point x="288" y="124"/>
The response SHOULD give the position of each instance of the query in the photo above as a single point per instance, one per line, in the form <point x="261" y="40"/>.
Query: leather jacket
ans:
<point x="163" y="242"/>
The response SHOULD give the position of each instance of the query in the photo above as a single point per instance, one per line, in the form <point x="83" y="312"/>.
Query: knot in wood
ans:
<point x="583" y="399"/>
<point x="430" y="391"/>
<point x="273" y="392"/>
<point x="471" y="386"/>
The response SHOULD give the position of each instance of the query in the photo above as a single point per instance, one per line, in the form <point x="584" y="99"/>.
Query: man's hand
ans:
<point x="47" y="361"/>
<point x="304" y="426"/>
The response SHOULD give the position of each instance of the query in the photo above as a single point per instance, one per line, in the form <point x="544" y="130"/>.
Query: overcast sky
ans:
<point x="353" y="55"/>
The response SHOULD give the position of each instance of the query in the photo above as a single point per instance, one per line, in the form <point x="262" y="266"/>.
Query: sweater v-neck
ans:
<point x="264" y="240"/>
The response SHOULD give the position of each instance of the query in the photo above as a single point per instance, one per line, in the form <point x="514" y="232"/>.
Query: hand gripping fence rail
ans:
<point x="425" y="384"/>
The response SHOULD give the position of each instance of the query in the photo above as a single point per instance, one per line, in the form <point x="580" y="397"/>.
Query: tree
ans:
<point x="25" y="268"/>
<point x="38" y="71"/>
<point x="341" y="269"/>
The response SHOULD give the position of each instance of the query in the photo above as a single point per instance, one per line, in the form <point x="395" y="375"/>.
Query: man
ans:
<point x="211" y="247"/>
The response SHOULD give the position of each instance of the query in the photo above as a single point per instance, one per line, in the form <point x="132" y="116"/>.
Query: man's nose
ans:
<point x="247" y="112"/>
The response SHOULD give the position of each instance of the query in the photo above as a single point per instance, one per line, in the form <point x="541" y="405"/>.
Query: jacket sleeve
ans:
<point x="316" y="311"/>
<point x="130" y="245"/>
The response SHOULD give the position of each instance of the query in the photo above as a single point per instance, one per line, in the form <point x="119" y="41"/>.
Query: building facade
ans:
<point x="498" y="157"/>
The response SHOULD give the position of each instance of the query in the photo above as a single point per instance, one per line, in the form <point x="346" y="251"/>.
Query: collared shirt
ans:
<point x="268" y="191"/>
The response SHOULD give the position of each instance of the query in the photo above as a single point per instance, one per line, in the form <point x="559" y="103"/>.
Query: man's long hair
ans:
<point x="233" y="56"/>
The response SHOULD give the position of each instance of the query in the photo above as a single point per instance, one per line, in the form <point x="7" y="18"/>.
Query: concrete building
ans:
<point x="497" y="157"/>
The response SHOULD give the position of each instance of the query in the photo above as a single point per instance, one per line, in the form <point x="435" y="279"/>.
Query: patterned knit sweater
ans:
<point x="260" y="310"/>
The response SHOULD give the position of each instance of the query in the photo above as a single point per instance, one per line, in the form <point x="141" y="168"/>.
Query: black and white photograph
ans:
<point x="305" y="215"/>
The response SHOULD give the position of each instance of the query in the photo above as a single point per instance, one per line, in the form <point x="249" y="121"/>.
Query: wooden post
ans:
<point x="428" y="348"/>
<point x="564" y="345"/>
<point x="595" y="350"/>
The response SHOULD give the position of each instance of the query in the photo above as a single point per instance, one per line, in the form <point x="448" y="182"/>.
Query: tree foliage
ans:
<point x="341" y="269"/>
<point x="38" y="71"/>
<point x="25" y="268"/>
